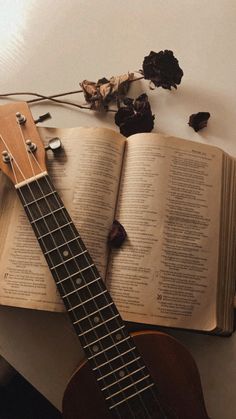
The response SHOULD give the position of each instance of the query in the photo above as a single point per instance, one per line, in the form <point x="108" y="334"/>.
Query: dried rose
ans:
<point x="135" y="117"/>
<point x="117" y="234"/>
<point x="162" y="68"/>
<point x="199" y="120"/>
<point x="100" y="94"/>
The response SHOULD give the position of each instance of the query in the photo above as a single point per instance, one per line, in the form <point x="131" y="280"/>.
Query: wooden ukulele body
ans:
<point x="172" y="368"/>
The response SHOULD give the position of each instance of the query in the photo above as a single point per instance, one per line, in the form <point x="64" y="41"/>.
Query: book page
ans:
<point x="169" y="203"/>
<point x="86" y="174"/>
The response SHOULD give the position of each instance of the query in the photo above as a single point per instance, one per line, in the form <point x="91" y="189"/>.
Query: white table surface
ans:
<point x="49" y="46"/>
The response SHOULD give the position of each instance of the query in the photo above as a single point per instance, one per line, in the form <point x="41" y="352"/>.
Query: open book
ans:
<point x="176" y="201"/>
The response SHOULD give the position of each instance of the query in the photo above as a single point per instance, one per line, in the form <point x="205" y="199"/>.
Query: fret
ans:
<point x="45" y="215"/>
<point x="42" y="205"/>
<point x="127" y="387"/>
<point x="54" y="230"/>
<point x="118" y="356"/>
<point x="59" y="236"/>
<point x="72" y="258"/>
<point x="117" y="366"/>
<point x="83" y="286"/>
<point x="36" y="189"/>
<point x="133" y="395"/>
<point x="100" y="324"/>
<point x="116" y="363"/>
<point x="123" y="378"/>
<point x="38" y="199"/>
<point x="63" y="244"/>
<point x="89" y="299"/>
<point x="103" y="334"/>
<point x="45" y="223"/>
<point x="118" y="369"/>
<point x="110" y="347"/>
<point x="74" y="299"/>
<point x="87" y="321"/>
<point x="80" y="265"/>
<point x="92" y="314"/>
<point x="129" y="390"/>
<point x="103" y="337"/>
<point x="62" y="257"/>
<point x="128" y="371"/>
<point x="109" y="354"/>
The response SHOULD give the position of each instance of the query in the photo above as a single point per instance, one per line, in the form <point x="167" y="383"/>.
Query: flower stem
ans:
<point x="40" y="97"/>
<point x="138" y="78"/>
<point x="53" y="96"/>
<point x="43" y="97"/>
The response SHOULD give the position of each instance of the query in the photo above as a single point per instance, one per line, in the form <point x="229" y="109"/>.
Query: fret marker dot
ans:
<point x="95" y="348"/>
<point x="121" y="373"/>
<point x="96" y="319"/>
<point x="118" y="336"/>
<point x="78" y="281"/>
<point x="65" y="253"/>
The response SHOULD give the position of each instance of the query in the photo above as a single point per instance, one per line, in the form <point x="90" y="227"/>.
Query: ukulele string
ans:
<point x="115" y="343"/>
<point x="63" y="261"/>
<point x="153" y="392"/>
<point x="11" y="161"/>
<point x="8" y="149"/>
<point x="73" y="285"/>
<point x="43" y="217"/>
<point x="28" y="151"/>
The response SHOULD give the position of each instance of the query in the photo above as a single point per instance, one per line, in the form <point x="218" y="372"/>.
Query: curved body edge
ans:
<point x="172" y="368"/>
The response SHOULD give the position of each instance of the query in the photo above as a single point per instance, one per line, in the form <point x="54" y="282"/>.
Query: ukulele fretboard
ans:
<point x="118" y="367"/>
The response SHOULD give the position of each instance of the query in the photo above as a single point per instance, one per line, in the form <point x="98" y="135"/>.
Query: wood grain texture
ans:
<point x="172" y="368"/>
<point x="13" y="138"/>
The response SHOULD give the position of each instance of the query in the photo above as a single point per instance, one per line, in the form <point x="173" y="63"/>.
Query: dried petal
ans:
<point x="199" y="120"/>
<point x="162" y="68"/>
<point x="123" y="114"/>
<point x="135" y="117"/>
<point x="90" y="92"/>
<point x="100" y="94"/>
<point x="117" y="234"/>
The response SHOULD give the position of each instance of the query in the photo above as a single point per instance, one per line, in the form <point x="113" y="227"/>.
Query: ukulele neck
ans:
<point x="118" y="367"/>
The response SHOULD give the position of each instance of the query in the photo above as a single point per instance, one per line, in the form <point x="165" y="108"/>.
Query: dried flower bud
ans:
<point x="199" y="120"/>
<point x="117" y="235"/>
<point x="100" y="94"/>
<point x="135" y="117"/>
<point x="162" y="68"/>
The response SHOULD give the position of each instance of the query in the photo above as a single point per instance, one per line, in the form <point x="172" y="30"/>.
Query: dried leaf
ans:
<point x="100" y="94"/>
<point x="199" y="120"/>
<point x="135" y="117"/>
<point x="117" y="234"/>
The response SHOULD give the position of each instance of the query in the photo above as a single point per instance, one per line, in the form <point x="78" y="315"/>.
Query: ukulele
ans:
<point x="143" y="375"/>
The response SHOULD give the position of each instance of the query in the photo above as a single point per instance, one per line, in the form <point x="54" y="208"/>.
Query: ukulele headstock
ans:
<point x="22" y="153"/>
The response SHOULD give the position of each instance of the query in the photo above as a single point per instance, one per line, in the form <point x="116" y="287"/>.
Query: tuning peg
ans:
<point x="21" y="119"/>
<point x="31" y="146"/>
<point x="43" y="117"/>
<point x="54" y="144"/>
<point x="6" y="156"/>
